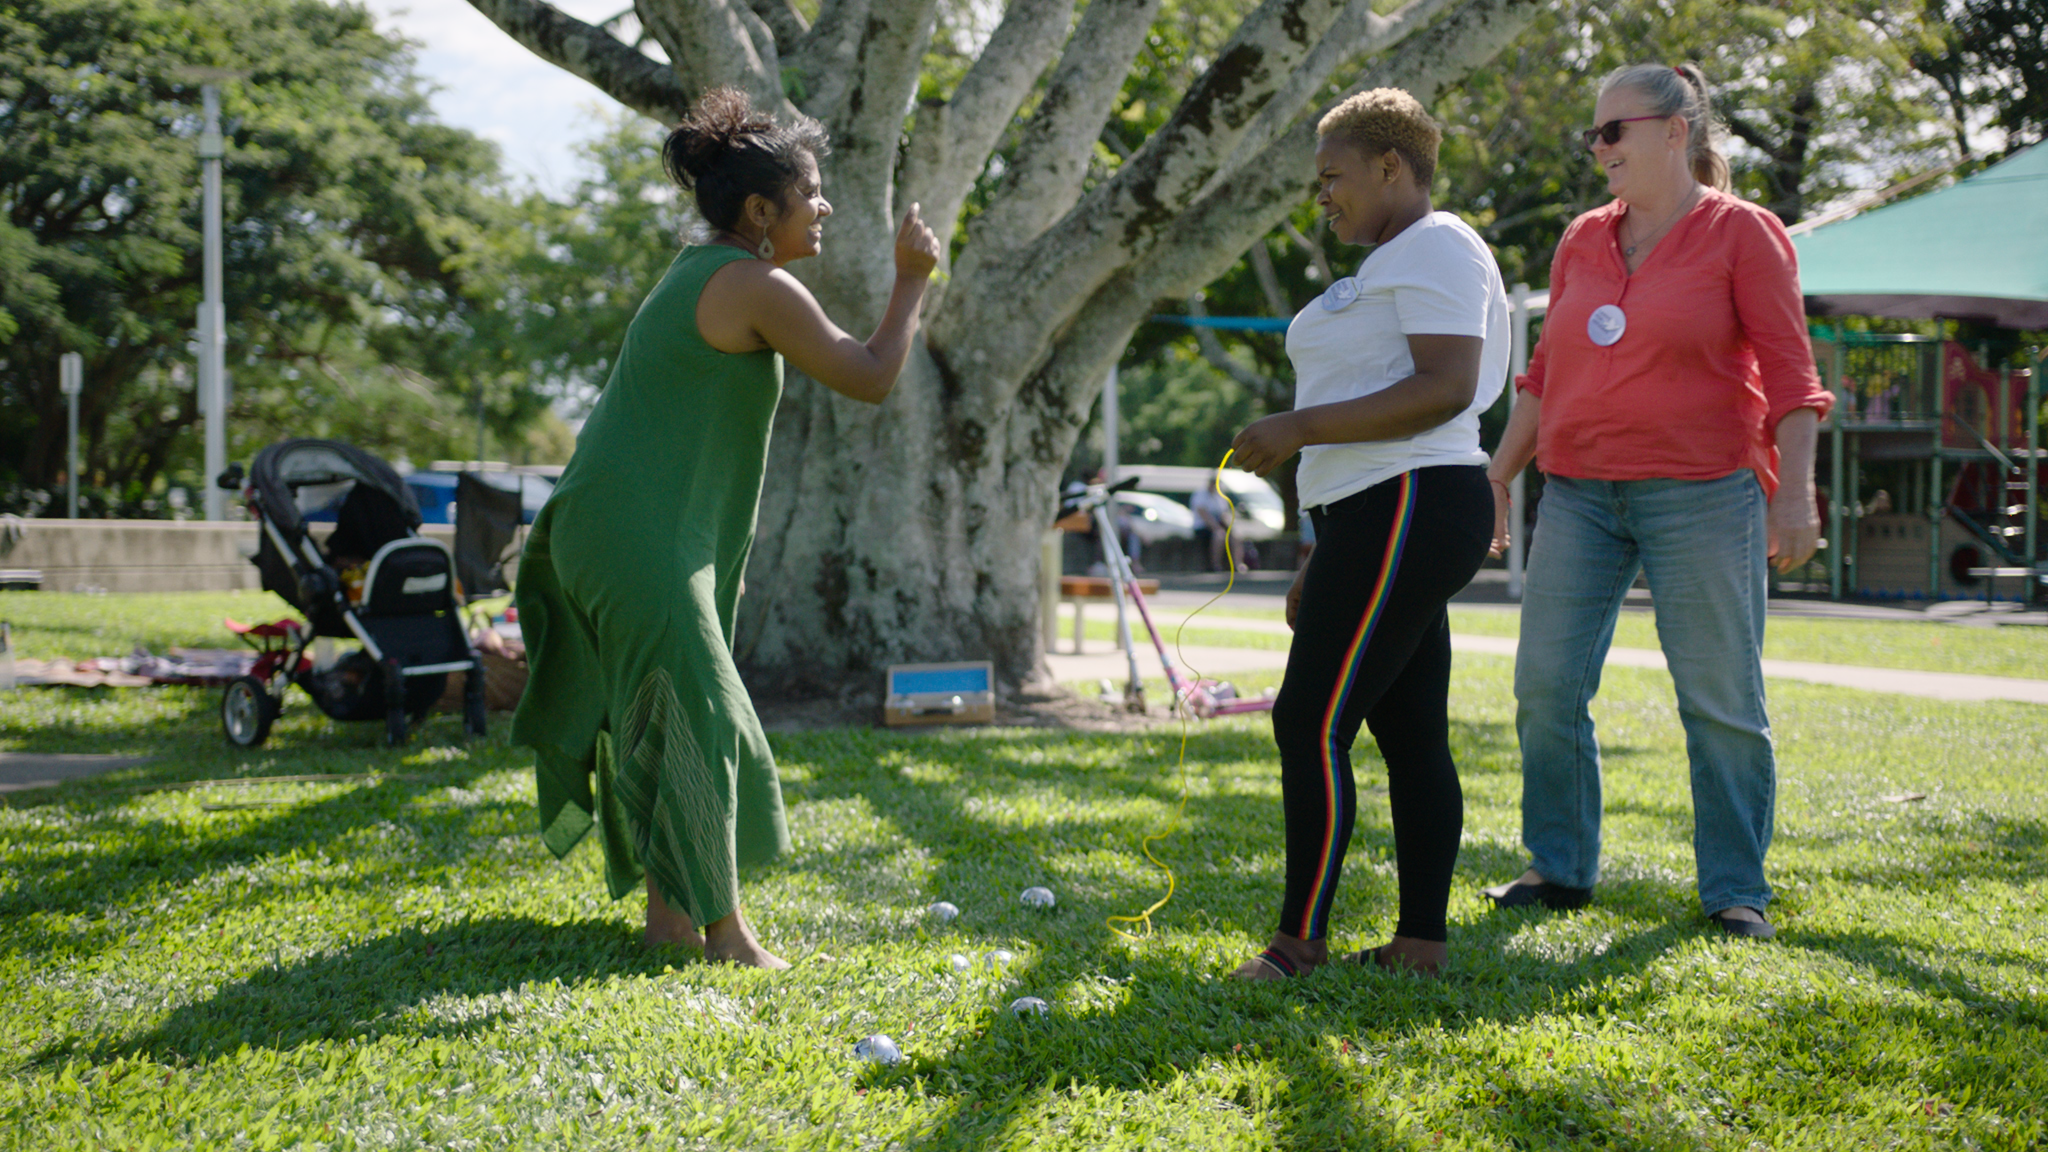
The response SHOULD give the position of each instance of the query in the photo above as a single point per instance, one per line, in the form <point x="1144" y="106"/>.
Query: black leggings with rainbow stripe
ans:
<point x="1372" y="645"/>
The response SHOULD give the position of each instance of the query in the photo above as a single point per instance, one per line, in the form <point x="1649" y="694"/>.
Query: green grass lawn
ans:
<point x="394" y="961"/>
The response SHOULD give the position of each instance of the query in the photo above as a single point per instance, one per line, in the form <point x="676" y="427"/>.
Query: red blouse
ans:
<point x="1714" y="352"/>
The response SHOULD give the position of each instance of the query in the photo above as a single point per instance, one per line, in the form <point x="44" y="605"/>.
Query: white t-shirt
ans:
<point x="1436" y="278"/>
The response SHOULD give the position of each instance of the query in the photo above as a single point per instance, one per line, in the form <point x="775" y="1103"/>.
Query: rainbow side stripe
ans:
<point x="1314" y="918"/>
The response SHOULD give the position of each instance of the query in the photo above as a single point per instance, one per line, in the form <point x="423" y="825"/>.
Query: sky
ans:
<point x="491" y="85"/>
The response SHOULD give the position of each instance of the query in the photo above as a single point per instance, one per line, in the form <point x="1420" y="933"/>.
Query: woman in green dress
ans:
<point x="633" y="570"/>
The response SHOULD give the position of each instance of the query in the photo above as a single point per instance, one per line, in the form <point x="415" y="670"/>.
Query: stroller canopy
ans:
<point x="294" y="477"/>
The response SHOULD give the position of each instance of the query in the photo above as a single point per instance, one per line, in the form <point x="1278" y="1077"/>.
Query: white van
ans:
<point x="1260" y="513"/>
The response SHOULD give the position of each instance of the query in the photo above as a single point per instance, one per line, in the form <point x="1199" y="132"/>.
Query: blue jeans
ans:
<point x="1703" y="545"/>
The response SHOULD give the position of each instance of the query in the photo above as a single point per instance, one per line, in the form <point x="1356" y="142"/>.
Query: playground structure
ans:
<point x="1931" y="462"/>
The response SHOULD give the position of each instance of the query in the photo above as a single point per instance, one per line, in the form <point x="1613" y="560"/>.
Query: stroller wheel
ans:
<point x="394" y="704"/>
<point x="247" y="710"/>
<point x="474" y="709"/>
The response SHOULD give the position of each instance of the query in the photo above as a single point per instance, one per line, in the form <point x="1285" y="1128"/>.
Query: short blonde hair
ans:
<point x="1387" y="118"/>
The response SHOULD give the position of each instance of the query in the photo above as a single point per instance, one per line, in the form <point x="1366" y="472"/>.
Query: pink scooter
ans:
<point x="1201" y="698"/>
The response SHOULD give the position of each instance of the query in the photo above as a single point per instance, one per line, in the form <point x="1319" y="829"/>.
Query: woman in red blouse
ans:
<point x="1672" y="404"/>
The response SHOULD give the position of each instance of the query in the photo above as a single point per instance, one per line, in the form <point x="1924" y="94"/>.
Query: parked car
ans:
<point x="1261" y="515"/>
<point x="1155" y="517"/>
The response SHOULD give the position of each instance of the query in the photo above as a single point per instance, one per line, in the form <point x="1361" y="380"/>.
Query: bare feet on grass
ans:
<point x="730" y="941"/>
<point x="726" y="941"/>
<point x="1287" y="957"/>
<point x="666" y="926"/>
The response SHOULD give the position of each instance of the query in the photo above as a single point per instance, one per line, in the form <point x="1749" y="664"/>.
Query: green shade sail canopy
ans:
<point x="1976" y="250"/>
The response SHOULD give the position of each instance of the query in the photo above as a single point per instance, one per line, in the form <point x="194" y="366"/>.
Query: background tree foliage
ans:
<point x="366" y="244"/>
<point x="1821" y="99"/>
<point x="580" y="265"/>
<point x="1992" y="65"/>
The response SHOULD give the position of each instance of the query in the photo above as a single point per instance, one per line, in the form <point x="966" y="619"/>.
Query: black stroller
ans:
<point x="377" y="581"/>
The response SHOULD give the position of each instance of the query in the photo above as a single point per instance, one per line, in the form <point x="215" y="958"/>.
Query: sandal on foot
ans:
<point x="1377" y="958"/>
<point x="1368" y="958"/>
<point x="1269" y="965"/>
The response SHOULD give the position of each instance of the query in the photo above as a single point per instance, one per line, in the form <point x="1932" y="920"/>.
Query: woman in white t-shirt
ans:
<point x="1392" y="368"/>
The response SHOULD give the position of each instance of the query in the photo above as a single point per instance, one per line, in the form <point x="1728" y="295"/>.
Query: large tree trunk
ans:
<point x="910" y="531"/>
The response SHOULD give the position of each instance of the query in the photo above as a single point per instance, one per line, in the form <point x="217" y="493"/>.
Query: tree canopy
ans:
<point x="1992" y="65"/>
<point x="1820" y="99"/>
<point x="365" y="242"/>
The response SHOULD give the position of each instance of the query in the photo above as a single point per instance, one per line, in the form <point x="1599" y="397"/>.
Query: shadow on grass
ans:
<point x="71" y="876"/>
<point x="1298" y="1060"/>
<point x="1299" y="1065"/>
<point x="387" y="985"/>
<point x="1293" y="1050"/>
<point x="178" y="729"/>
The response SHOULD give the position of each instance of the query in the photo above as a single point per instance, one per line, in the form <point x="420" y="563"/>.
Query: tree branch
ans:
<point x="1358" y="31"/>
<point x="644" y="85"/>
<point x="718" y="43"/>
<point x="1749" y="134"/>
<point x="1044" y="175"/>
<point x="1269" y="279"/>
<point x="1314" y="248"/>
<point x="783" y="20"/>
<point x="867" y="122"/>
<point x="1203" y="241"/>
<point x="1000" y="299"/>
<point x="1219" y="357"/>
<point x="953" y="139"/>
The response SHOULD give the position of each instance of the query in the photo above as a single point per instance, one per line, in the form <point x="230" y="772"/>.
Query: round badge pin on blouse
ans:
<point x="1340" y="294"/>
<point x="1605" y="326"/>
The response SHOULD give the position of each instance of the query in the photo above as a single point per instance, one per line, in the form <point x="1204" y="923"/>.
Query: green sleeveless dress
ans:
<point x="627" y="590"/>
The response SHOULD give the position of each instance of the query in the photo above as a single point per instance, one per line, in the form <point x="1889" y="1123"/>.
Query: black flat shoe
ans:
<point x="1754" y="929"/>
<point x="1557" y="896"/>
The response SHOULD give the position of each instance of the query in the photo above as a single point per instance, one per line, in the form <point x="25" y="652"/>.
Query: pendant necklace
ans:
<point x="1630" y="249"/>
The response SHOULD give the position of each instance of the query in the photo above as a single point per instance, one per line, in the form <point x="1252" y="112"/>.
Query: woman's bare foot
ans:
<point x="667" y="926"/>
<point x="730" y="941"/>
<point x="1287" y="957"/>
<point x="1406" y="953"/>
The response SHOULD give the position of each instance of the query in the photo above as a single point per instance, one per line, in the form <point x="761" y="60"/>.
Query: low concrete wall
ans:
<point x="149" y="555"/>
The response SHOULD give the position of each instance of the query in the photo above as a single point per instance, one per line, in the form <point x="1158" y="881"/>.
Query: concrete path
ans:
<point x="20" y="771"/>
<point x="1903" y="682"/>
<point x="1102" y="659"/>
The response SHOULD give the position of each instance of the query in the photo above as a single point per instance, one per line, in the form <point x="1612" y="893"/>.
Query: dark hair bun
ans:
<point x="723" y="121"/>
<point x="725" y="150"/>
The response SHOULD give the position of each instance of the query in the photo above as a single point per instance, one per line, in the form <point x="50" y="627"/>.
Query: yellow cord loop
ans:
<point x="1141" y="924"/>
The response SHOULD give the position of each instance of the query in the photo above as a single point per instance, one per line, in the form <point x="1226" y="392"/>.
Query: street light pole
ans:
<point x="213" y="314"/>
<point x="1112" y="417"/>
<point x="71" y="381"/>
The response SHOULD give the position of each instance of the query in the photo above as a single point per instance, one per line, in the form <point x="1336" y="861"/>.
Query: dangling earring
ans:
<point x="766" y="248"/>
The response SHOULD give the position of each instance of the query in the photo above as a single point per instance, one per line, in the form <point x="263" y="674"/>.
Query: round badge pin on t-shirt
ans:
<point x="1340" y="294"/>
<point x="1606" y="325"/>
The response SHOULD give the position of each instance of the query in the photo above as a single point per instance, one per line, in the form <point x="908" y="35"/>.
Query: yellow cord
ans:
<point x="1142" y="922"/>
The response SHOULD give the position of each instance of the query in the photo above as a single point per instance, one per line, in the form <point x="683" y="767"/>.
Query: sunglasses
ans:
<point x="1610" y="132"/>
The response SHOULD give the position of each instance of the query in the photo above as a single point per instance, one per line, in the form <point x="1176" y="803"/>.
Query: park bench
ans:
<point x="1079" y="590"/>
